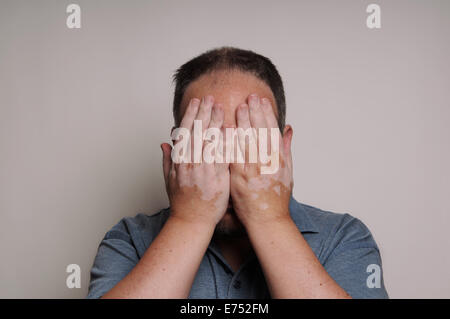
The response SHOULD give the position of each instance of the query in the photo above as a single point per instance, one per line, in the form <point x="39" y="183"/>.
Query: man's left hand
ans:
<point x="261" y="198"/>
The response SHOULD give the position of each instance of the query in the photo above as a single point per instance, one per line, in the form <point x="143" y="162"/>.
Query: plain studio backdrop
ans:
<point x="83" y="112"/>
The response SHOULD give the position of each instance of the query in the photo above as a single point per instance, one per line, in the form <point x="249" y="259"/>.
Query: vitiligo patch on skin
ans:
<point x="277" y="189"/>
<point x="258" y="183"/>
<point x="207" y="192"/>
<point x="211" y="199"/>
<point x="193" y="183"/>
<point x="264" y="182"/>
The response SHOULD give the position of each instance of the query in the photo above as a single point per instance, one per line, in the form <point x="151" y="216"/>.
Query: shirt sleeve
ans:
<point x="355" y="261"/>
<point x="116" y="257"/>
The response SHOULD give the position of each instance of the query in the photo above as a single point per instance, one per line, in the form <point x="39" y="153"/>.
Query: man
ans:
<point x="230" y="231"/>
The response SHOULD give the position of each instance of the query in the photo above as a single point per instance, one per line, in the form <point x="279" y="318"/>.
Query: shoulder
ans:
<point x="139" y="230"/>
<point x="346" y="248"/>
<point x="141" y="222"/>
<point x="342" y="224"/>
<point x="335" y="231"/>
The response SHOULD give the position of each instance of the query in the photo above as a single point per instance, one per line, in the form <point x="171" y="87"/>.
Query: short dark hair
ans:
<point x="229" y="58"/>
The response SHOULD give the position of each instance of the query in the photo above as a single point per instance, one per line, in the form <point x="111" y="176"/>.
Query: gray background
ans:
<point x="82" y="114"/>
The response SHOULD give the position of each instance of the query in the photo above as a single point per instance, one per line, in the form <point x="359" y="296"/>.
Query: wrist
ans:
<point x="199" y="225"/>
<point x="264" y="225"/>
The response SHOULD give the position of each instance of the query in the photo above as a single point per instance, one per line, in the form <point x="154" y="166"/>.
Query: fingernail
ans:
<point x="216" y="109"/>
<point x="243" y="109"/>
<point x="208" y="99"/>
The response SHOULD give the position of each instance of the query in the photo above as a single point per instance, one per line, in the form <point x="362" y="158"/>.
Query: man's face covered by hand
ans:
<point x="233" y="91"/>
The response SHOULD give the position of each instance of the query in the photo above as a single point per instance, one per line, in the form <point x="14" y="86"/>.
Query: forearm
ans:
<point x="169" y="266"/>
<point x="290" y="266"/>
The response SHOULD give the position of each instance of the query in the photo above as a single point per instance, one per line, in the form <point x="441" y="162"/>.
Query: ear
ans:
<point x="287" y="138"/>
<point x="171" y="131"/>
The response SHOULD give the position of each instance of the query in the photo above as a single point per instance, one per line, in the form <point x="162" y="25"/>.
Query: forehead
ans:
<point x="229" y="87"/>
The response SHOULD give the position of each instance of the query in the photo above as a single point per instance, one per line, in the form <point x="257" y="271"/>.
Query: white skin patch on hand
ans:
<point x="255" y="195"/>
<point x="263" y="206"/>
<point x="207" y="192"/>
<point x="264" y="182"/>
<point x="277" y="189"/>
<point x="257" y="183"/>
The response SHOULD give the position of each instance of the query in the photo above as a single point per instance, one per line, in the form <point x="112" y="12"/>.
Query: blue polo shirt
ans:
<point x="342" y="243"/>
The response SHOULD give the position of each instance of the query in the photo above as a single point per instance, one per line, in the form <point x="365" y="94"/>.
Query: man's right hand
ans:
<point x="198" y="192"/>
<point x="198" y="195"/>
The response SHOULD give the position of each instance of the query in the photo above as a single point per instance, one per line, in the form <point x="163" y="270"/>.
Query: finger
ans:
<point x="203" y="118"/>
<point x="217" y="119"/>
<point x="243" y="116"/>
<point x="213" y="137"/>
<point x="217" y="116"/>
<point x="190" y="114"/>
<point x="257" y="118"/>
<point x="188" y="121"/>
<point x="269" y="115"/>
<point x="204" y="111"/>
<point x="243" y="122"/>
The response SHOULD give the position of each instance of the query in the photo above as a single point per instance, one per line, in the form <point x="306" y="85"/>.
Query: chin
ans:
<point x="229" y="225"/>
